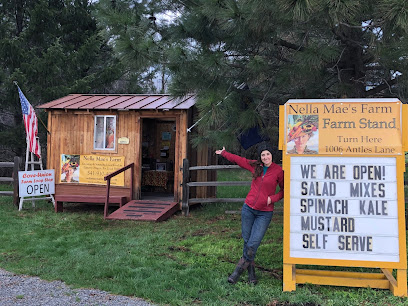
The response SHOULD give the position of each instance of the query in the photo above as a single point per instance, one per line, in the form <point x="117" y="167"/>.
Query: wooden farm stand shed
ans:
<point x="149" y="131"/>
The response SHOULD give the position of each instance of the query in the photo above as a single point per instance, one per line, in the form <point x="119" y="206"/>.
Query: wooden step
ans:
<point x="145" y="210"/>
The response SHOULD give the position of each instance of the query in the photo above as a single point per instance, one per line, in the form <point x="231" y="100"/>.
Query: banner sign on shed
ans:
<point x="91" y="169"/>
<point x="36" y="183"/>
<point x="343" y="128"/>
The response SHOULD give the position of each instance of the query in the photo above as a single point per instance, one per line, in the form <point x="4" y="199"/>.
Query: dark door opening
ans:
<point x="158" y="154"/>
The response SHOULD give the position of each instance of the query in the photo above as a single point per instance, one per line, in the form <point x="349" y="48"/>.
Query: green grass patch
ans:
<point x="182" y="261"/>
<point x="6" y="187"/>
<point x="233" y="191"/>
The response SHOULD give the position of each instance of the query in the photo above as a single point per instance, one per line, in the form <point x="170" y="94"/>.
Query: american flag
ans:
<point x="30" y="122"/>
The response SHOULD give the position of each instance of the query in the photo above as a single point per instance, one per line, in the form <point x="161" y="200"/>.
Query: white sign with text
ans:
<point x="36" y="183"/>
<point x="344" y="208"/>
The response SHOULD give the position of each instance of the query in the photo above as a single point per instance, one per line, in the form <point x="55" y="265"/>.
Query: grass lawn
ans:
<point x="182" y="261"/>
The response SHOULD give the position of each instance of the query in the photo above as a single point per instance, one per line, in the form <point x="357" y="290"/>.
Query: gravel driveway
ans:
<point x="33" y="291"/>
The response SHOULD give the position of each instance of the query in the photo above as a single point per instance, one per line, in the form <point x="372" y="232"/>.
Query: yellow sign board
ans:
<point x="91" y="169"/>
<point x="348" y="127"/>
<point x="344" y="191"/>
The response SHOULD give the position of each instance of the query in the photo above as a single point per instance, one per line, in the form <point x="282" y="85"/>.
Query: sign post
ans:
<point x="344" y="195"/>
<point x="36" y="185"/>
<point x="30" y="188"/>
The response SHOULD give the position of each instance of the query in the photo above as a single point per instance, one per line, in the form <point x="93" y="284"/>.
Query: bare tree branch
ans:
<point x="386" y="85"/>
<point x="370" y="25"/>
<point x="289" y="45"/>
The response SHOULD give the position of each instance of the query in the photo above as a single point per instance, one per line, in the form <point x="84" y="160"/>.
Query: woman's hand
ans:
<point x="220" y="151"/>
<point x="269" y="201"/>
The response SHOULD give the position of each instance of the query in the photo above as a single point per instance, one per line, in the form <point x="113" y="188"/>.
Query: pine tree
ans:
<point x="138" y="37"/>
<point x="51" y="48"/>
<point x="243" y="58"/>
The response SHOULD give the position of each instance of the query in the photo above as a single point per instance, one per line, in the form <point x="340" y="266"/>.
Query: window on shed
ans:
<point x="105" y="133"/>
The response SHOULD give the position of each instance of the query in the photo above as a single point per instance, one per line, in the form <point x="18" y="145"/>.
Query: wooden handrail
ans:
<point x="109" y="176"/>
<point x="108" y="179"/>
<point x="215" y="167"/>
<point x="219" y="183"/>
<point x="6" y="164"/>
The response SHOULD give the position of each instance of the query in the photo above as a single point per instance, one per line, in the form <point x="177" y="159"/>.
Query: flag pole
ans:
<point x="43" y="124"/>
<point x="30" y="122"/>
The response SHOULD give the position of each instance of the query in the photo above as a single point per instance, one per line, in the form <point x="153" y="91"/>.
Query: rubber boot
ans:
<point x="251" y="273"/>
<point x="241" y="267"/>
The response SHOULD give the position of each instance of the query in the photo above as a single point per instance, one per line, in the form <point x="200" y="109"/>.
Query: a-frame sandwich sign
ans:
<point x="344" y="192"/>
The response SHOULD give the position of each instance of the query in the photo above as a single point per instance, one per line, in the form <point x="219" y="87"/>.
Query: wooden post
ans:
<point x="289" y="277"/>
<point x="15" y="181"/>
<point x="186" y="176"/>
<point x="132" y="173"/>
<point x="402" y="283"/>
<point x="108" y="178"/>
<point x="105" y="211"/>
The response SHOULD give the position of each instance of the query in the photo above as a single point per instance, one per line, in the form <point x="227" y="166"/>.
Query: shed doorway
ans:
<point x="158" y="157"/>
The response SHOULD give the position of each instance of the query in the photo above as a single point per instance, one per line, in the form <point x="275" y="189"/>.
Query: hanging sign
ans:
<point x="354" y="126"/>
<point x="123" y="140"/>
<point x="344" y="208"/>
<point x="36" y="183"/>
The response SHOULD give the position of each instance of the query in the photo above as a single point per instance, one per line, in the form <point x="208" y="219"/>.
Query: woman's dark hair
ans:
<point x="258" y="168"/>
<point x="258" y="164"/>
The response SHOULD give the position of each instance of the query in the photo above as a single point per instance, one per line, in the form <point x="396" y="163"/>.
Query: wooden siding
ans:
<point x="81" y="189"/>
<point x="72" y="132"/>
<point x="182" y="144"/>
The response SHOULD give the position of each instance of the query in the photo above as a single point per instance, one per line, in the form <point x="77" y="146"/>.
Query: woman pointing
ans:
<point x="258" y="208"/>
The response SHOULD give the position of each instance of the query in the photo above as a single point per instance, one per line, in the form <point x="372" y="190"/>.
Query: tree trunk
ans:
<point x="351" y="65"/>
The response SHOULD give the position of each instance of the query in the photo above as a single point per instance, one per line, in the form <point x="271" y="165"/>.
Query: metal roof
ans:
<point x="120" y="102"/>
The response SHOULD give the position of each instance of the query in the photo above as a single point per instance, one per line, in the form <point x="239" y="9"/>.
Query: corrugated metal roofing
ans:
<point x="122" y="102"/>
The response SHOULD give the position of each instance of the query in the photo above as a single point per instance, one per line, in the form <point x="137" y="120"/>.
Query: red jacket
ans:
<point x="263" y="186"/>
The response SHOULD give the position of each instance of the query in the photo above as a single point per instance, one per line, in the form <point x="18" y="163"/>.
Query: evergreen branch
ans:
<point x="289" y="45"/>
<point x="370" y="25"/>
<point x="369" y="57"/>
<point x="237" y="66"/>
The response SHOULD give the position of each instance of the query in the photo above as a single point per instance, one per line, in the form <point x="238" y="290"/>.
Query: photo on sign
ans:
<point x="69" y="168"/>
<point x="303" y="134"/>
